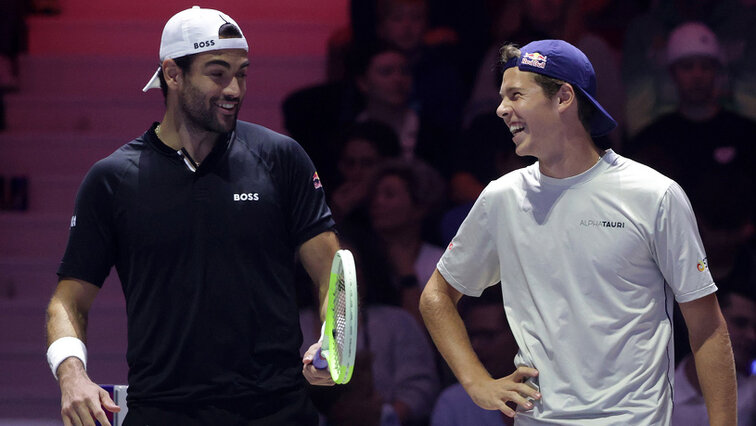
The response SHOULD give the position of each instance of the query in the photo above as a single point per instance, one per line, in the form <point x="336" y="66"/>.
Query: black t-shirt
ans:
<point x="687" y="151"/>
<point x="206" y="261"/>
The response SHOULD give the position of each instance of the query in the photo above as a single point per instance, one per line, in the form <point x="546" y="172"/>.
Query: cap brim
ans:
<point x="154" y="82"/>
<point x="601" y="123"/>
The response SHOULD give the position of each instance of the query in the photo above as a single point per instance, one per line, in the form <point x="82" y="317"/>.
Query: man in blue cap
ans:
<point x="590" y="249"/>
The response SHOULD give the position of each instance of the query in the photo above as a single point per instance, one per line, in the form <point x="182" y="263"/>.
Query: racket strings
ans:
<point x="340" y="329"/>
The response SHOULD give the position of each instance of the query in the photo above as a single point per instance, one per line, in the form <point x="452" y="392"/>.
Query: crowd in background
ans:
<point x="405" y="136"/>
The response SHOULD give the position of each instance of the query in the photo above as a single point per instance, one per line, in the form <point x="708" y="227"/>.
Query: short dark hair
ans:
<point x="360" y="58"/>
<point x="551" y="86"/>
<point x="381" y="136"/>
<point x="184" y="63"/>
<point x="425" y="185"/>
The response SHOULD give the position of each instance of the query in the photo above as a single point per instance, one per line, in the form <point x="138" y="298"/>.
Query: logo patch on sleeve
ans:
<point x="702" y="265"/>
<point x="316" y="181"/>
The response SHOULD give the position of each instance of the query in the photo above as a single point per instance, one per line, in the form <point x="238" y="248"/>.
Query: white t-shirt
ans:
<point x="583" y="263"/>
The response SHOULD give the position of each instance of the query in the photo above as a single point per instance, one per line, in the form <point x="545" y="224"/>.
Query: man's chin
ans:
<point x="226" y="125"/>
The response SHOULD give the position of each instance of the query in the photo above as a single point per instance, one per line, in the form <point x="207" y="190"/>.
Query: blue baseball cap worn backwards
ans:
<point x="563" y="61"/>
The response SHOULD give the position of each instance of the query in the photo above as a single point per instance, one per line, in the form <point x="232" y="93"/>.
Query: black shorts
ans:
<point x="291" y="409"/>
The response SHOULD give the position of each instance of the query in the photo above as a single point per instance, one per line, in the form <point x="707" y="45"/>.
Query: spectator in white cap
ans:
<point x="701" y="137"/>
<point x="591" y="249"/>
<point x="696" y="62"/>
<point x="203" y="217"/>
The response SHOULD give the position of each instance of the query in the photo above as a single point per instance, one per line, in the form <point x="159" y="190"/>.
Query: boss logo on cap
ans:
<point x="534" y="59"/>
<point x="204" y="44"/>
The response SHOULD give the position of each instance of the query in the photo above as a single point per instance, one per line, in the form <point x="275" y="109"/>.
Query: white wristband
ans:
<point x="64" y="348"/>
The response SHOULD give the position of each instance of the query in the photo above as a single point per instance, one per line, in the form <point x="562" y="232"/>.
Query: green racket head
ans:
<point x="340" y="335"/>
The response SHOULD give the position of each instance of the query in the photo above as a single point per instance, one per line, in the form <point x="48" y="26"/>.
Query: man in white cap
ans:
<point x="591" y="249"/>
<point x="700" y="138"/>
<point x="202" y="217"/>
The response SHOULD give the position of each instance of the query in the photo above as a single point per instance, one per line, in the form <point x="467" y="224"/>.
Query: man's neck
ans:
<point x="573" y="156"/>
<point x="198" y="144"/>
<point x="698" y="113"/>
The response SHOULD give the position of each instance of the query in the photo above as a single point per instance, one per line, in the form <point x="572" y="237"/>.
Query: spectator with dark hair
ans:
<point x="383" y="76"/>
<point x="425" y="86"/>
<point x="364" y="147"/>
<point x="492" y="340"/>
<point x="405" y="196"/>
<point x="12" y="42"/>
<point x="484" y="153"/>
<point x="442" y="55"/>
<point x="738" y="304"/>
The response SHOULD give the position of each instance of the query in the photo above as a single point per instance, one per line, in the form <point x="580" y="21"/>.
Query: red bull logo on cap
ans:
<point x="534" y="59"/>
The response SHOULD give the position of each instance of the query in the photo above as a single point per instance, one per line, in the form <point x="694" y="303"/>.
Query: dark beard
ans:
<point x="192" y="102"/>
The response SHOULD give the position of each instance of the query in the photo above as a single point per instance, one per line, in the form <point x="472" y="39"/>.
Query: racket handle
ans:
<point x="319" y="362"/>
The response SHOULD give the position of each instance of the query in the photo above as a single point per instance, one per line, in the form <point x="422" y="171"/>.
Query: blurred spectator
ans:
<point x="649" y="89"/>
<point x="699" y="138"/>
<point x="395" y="375"/>
<point x="739" y="310"/>
<point x="315" y="115"/>
<point x="496" y="347"/>
<point x="365" y="146"/>
<point x="485" y="153"/>
<point x="440" y="60"/>
<point x="431" y="87"/>
<point x="384" y="79"/>
<point x="725" y="214"/>
<point x="435" y="59"/>
<point x="354" y="403"/>
<point x="724" y="209"/>
<point x="12" y="41"/>
<point x="522" y="21"/>
<point x="405" y="195"/>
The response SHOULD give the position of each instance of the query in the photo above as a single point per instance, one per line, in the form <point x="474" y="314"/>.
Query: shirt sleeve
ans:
<point x="90" y="251"/>
<point x="470" y="263"/>
<point x="678" y="249"/>
<point x="308" y="212"/>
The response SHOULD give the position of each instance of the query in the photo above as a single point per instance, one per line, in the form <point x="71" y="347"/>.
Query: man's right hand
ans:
<point x="493" y="394"/>
<point x="82" y="401"/>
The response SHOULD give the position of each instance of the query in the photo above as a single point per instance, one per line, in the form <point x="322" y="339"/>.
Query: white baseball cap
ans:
<point x="193" y="31"/>
<point x="692" y="39"/>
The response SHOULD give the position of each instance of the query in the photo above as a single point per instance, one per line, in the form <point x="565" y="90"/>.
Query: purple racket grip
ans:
<point x="319" y="362"/>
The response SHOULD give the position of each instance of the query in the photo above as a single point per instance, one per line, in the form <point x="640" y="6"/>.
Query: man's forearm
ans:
<point x="716" y="374"/>
<point x="448" y="332"/>
<point x="63" y="320"/>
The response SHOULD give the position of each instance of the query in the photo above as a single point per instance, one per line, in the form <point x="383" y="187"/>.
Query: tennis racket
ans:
<point x="339" y="334"/>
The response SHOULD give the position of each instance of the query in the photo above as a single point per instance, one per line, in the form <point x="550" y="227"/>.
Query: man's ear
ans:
<point x="565" y="96"/>
<point x="172" y="73"/>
